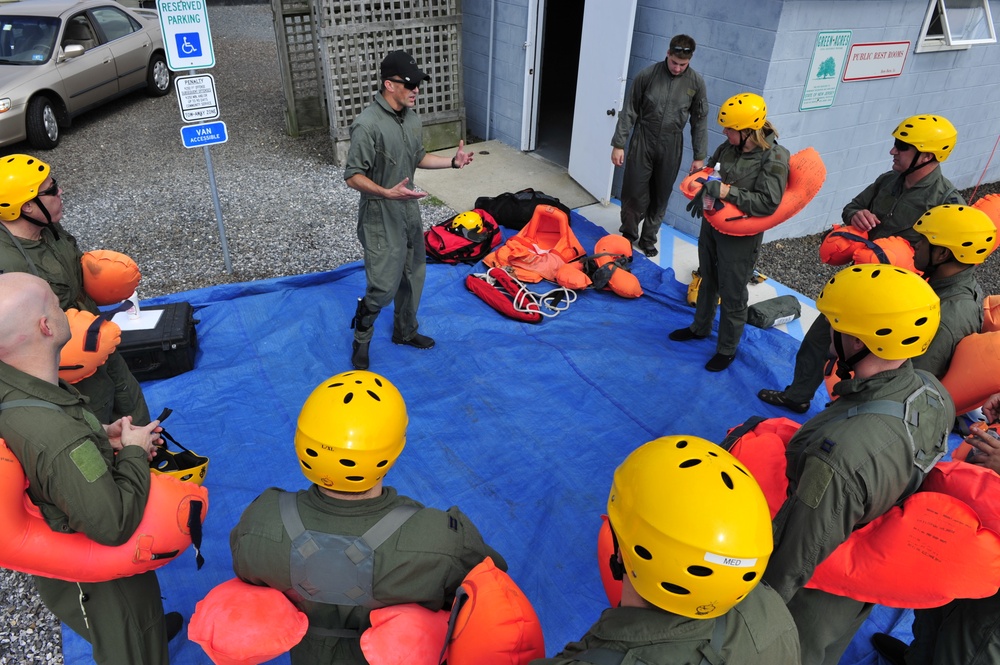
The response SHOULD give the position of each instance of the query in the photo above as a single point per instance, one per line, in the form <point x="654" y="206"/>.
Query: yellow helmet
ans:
<point x="743" y="111"/>
<point x="928" y="133"/>
<point x="470" y="220"/>
<point x="351" y="430"/>
<point x="184" y="465"/>
<point x="892" y="310"/>
<point x="968" y="232"/>
<point x="693" y="526"/>
<point x="20" y="178"/>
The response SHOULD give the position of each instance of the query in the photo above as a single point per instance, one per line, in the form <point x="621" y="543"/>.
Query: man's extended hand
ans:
<point x="402" y="192"/>
<point x="461" y="157"/>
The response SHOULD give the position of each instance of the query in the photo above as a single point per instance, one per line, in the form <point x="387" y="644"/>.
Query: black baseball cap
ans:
<point x="402" y="64"/>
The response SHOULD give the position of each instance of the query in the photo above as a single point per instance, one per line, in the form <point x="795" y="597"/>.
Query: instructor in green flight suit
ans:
<point x="692" y="537"/>
<point x="32" y="240"/>
<point x="869" y="450"/>
<point x="889" y="206"/>
<point x="754" y="175"/>
<point x="664" y="97"/>
<point x="84" y="477"/>
<point x="351" y="430"/>
<point x="386" y="149"/>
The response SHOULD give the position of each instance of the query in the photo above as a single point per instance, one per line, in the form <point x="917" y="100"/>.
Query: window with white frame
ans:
<point x="956" y="24"/>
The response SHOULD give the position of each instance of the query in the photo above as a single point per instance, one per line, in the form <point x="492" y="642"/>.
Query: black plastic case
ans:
<point x="166" y="350"/>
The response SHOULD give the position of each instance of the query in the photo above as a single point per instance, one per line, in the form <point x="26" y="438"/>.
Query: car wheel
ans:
<point x="157" y="76"/>
<point x="42" y="125"/>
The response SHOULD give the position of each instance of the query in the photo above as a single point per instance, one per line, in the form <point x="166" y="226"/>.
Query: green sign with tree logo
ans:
<point x="825" y="69"/>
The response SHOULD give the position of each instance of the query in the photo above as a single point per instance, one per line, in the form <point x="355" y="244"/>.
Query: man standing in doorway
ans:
<point x="663" y="99"/>
<point x="386" y="148"/>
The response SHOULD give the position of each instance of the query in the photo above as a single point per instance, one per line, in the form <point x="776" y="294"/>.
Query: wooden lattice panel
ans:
<point x="356" y="35"/>
<point x="301" y="70"/>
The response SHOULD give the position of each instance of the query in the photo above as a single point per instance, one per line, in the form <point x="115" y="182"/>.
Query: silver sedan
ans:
<point x="60" y="58"/>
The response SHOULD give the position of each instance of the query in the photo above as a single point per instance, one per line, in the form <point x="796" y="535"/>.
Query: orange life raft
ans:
<point x="30" y="546"/>
<point x="538" y="250"/>
<point x="109" y="277"/>
<point x="806" y="173"/>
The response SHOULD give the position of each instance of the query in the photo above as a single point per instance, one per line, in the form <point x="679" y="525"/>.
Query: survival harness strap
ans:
<point x="601" y="275"/>
<point x="870" y="244"/>
<point x="711" y="656"/>
<point x="195" y="506"/>
<point x="332" y="569"/>
<point x="904" y="411"/>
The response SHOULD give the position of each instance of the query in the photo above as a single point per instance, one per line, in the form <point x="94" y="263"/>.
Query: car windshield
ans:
<point x="27" y="40"/>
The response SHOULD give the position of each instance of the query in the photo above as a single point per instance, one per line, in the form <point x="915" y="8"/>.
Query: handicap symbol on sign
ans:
<point x="188" y="44"/>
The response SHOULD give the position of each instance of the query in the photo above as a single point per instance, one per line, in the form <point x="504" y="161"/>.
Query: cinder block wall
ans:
<point x="510" y="31"/>
<point x="766" y="47"/>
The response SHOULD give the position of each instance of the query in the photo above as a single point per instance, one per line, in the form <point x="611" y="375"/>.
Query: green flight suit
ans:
<point x="112" y="390"/>
<point x="758" y="631"/>
<point x="423" y="562"/>
<point x="843" y="472"/>
<point x="80" y="485"/>
<point x="963" y="632"/>
<point x="386" y="147"/>
<point x="961" y="315"/>
<point x="757" y="181"/>
<point x="658" y="107"/>
<point x="899" y="209"/>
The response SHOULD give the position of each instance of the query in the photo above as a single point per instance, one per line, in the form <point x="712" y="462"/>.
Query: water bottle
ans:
<point x="707" y="200"/>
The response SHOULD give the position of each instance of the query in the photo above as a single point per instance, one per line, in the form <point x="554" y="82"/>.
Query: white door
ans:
<point x="600" y="89"/>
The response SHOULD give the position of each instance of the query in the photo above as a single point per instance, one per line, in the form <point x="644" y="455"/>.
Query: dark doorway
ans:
<point x="557" y="88"/>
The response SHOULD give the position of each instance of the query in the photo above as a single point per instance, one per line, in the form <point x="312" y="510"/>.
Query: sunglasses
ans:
<point x="901" y="146"/>
<point x="409" y="85"/>
<point x="681" y="49"/>
<point x="53" y="190"/>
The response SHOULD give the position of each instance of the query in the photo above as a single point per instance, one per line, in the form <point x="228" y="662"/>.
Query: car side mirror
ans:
<point x="73" y="51"/>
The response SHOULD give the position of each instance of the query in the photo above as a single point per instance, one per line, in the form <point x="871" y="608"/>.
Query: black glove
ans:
<point x="713" y="188"/>
<point x="694" y="206"/>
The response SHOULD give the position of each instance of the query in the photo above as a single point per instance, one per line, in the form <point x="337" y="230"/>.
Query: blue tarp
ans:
<point x="519" y="425"/>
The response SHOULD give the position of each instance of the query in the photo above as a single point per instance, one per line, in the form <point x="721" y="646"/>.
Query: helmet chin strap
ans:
<point x="913" y="164"/>
<point x="846" y="365"/>
<point x="744" y="135"/>
<point x="48" y="217"/>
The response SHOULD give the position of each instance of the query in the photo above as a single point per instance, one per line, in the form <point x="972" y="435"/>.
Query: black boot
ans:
<point x="359" y="355"/>
<point x="363" y="321"/>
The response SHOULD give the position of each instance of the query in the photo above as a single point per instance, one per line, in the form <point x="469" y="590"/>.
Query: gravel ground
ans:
<point x="131" y="186"/>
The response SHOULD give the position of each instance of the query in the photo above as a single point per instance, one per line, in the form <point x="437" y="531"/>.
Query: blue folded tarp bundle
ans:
<point x="519" y="425"/>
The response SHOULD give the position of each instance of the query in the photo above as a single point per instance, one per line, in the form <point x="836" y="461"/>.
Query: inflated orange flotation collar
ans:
<point x="845" y="244"/>
<point x="607" y="269"/>
<point x="109" y="277"/>
<point x="491" y="622"/>
<point x="243" y="624"/>
<point x="547" y="233"/>
<point x="94" y="338"/>
<point x="974" y="372"/>
<point x="30" y="546"/>
<point x="806" y="173"/>
<point x="921" y="539"/>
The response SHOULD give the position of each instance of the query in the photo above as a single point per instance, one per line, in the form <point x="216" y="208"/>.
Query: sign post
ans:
<point x="188" y="41"/>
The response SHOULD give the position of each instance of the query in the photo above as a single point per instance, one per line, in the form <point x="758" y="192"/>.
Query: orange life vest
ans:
<point x="494" y="624"/>
<point x="921" y="539"/>
<point x="806" y="173"/>
<point x="243" y="624"/>
<point x="93" y="340"/>
<point x="109" y="277"/>
<point x="538" y="250"/>
<point x="612" y="255"/>
<point x="30" y="546"/>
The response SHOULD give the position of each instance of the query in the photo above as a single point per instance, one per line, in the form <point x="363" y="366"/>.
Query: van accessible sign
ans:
<point x="186" y="34"/>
